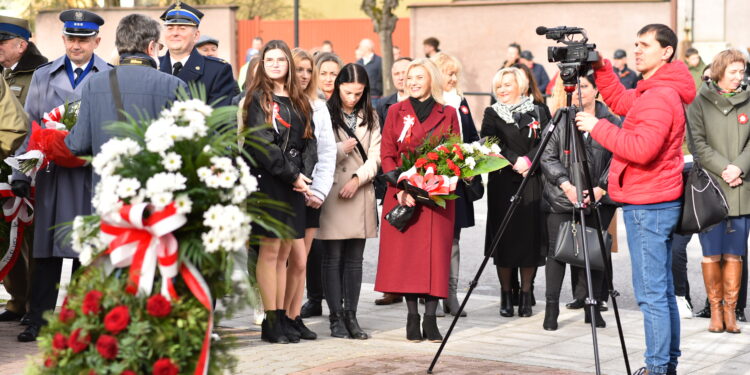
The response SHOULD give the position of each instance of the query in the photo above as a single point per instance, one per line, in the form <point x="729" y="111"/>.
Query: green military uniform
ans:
<point x="17" y="76"/>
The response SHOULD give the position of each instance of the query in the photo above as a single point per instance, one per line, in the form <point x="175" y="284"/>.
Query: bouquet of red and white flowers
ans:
<point x="174" y="209"/>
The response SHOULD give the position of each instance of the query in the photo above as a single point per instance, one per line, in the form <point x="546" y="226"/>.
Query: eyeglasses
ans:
<point x="272" y="61"/>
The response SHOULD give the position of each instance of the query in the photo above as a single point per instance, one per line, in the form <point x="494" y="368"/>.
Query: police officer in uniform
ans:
<point x="19" y="58"/>
<point x="184" y="61"/>
<point x="61" y="193"/>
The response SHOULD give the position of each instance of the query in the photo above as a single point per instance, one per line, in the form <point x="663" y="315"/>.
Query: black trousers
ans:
<point x="679" y="265"/>
<point x="555" y="270"/>
<point x="45" y="286"/>
<point x="342" y="273"/>
<point x="315" y="272"/>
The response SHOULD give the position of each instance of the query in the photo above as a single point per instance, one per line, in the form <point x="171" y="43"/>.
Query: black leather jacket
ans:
<point x="556" y="172"/>
<point x="298" y="156"/>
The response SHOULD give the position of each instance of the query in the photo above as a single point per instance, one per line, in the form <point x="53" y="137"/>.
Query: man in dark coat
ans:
<point x="61" y="193"/>
<point x="19" y="58"/>
<point x="185" y="62"/>
<point x="540" y="75"/>
<point x="374" y="66"/>
<point x="143" y="89"/>
<point x="628" y="77"/>
<point x="398" y="74"/>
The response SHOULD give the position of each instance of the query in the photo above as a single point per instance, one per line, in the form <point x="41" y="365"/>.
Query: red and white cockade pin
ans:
<point x="464" y="109"/>
<point x="742" y="118"/>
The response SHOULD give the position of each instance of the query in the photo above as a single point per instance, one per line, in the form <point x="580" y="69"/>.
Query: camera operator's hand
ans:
<point x="21" y="188"/>
<point x="570" y="191"/>
<point x="586" y="121"/>
<point x="599" y="63"/>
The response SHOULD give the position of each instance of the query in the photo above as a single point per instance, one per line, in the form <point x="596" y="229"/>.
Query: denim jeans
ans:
<point x="649" y="233"/>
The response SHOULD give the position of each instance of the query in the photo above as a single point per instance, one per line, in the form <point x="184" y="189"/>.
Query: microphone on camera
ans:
<point x="541" y="30"/>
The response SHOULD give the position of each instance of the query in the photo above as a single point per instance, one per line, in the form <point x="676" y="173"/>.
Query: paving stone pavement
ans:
<point x="483" y="343"/>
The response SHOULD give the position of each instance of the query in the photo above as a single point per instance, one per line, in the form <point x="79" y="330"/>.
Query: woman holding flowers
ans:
<point x="349" y="215"/>
<point x="283" y="170"/>
<point x="518" y="124"/>
<point x="322" y="179"/>
<point x="451" y="69"/>
<point x="416" y="262"/>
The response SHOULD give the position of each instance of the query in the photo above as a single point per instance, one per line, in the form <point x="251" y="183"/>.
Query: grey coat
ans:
<point x="720" y="139"/>
<point x="61" y="193"/>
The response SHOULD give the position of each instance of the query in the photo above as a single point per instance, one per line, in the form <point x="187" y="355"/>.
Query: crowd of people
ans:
<point x="332" y="130"/>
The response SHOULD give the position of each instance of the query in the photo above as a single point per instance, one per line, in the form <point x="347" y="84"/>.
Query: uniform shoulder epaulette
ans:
<point x="211" y="58"/>
<point x="45" y="64"/>
<point x="110" y="65"/>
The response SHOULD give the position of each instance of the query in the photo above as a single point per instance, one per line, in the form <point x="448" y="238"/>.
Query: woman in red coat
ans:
<point x="416" y="262"/>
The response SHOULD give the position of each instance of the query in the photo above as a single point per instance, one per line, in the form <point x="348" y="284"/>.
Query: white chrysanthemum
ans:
<point x="495" y="148"/>
<point x="467" y="148"/>
<point x="184" y="204"/>
<point x="211" y="241"/>
<point x="158" y="137"/>
<point x="109" y="158"/>
<point x="105" y="198"/>
<point x="213" y="181"/>
<point x="239" y="194"/>
<point x="161" y="200"/>
<point x="86" y="255"/>
<point x="213" y="216"/>
<point x="204" y="173"/>
<point x="165" y="182"/>
<point x="470" y="162"/>
<point x="206" y="149"/>
<point x="128" y="187"/>
<point x="222" y="163"/>
<point x="484" y="149"/>
<point x="172" y="161"/>
<point x="227" y="179"/>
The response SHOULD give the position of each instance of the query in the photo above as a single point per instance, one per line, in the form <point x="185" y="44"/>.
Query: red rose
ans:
<point x="165" y="366"/>
<point x="66" y="315"/>
<point x="78" y="343"/>
<point x="128" y="372"/>
<point x="431" y="165"/>
<point x="59" y="342"/>
<point x="444" y="149"/>
<point x="456" y="170"/>
<point x="106" y="345"/>
<point x="49" y="362"/>
<point x="117" y="319"/>
<point x="420" y="162"/>
<point x="92" y="372"/>
<point x="158" y="306"/>
<point x="433" y="156"/>
<point x="457" y="151"/>
<point x="92" y="302"/>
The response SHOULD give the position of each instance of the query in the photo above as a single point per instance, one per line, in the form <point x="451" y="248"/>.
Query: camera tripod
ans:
<point x="580" y="175"/>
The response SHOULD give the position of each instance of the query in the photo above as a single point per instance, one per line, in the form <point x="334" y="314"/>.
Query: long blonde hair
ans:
<point x="445" y="61"/>
<point x="436" y="78"/>
<point x="299" y="55"/>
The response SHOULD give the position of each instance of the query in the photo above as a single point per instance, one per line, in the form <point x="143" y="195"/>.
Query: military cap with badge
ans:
<point x="79" y="22"/>
<point x="180" y="13"/>
<point x="11" y="27"/>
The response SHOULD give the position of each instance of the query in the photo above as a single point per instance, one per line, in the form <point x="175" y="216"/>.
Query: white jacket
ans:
<point x="323" y="173"/>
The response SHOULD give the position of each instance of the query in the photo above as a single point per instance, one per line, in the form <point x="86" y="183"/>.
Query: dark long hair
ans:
<point x="535" y="92"/>
<point x="263" y="85"/>
<point x="351" y="73"/>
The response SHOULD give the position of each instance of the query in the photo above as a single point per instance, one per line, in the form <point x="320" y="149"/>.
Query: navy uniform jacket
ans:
<point x="374" y="70"/>
<point x="61" y="193"/>
<point x="144" y="91"/>
<point x="215" y="74"/>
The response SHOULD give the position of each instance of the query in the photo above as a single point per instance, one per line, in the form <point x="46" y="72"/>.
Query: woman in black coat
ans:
<point x="560" y="195"/>
<point x="518" y="124"/>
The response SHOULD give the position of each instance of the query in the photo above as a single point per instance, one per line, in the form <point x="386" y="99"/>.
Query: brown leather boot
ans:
<point x="732" y="275"/>
<point x="712" y="279"/>
<point x="389" y="298"/>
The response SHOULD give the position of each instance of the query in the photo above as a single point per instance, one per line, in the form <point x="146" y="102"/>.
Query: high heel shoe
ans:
<point x="271" y="330"/>
<point x="430" y="329"/>
<point x="551" y="312"/>
<point x="524" y="306"/>
<point x="413" y="333"/>
<point x="506" y="304"/>
<point x="352" y="325"/>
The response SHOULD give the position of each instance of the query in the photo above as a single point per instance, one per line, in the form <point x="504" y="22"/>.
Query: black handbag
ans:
<point x="474" y="189"/>
<point x="704" y="203"/>
<point x="400" y="216"/>
<point x="569" y="245"/>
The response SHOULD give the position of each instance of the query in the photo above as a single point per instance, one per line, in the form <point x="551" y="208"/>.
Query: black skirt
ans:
<point x="294" y="217"/>
<point x="312" y="217"/>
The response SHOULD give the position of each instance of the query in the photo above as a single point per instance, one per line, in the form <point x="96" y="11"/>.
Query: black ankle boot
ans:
<point x="430" y="329"/>
<point x="413" y="333"/>
<point x="524" y="306"/>
<point x="352" y="325"/>
<point x="338" y="328"/>
<point x="271" y="330"/>
<point x="551" y="312"/>
<point x="706" y="312"/>
<point x="506" y="304"/>
<point x="287" y="325"/>
<point x="600" y="323"/>
<point x="304" y="332"/>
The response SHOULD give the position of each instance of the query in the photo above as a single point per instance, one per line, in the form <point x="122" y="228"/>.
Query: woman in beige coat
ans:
<point x="348" y="216"/>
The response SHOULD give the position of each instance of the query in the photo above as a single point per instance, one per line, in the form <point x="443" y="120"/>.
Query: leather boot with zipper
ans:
<point x="451" y="304"/>
<point x="506" y="304"/>
<point x="732" y="274"/>
<point x="551" y="312"/>
<point x="714" y="290"/>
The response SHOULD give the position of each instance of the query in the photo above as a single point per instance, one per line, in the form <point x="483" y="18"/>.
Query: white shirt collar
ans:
<point x="367" y="58"/>
<point x="14" y="66"/>
<point x="83" y="66"/>
<point x="401" y="98"/>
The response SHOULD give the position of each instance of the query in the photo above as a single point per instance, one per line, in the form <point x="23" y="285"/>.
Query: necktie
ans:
<point x="6" y="72"/>
<point x="78" y="72"/>
<point x="176" y="68"/>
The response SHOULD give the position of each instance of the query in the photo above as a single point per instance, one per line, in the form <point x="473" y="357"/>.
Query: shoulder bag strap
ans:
<point x="116" y="96"/>
<point x="360" y="148"/>
<point x="691" y="143"/>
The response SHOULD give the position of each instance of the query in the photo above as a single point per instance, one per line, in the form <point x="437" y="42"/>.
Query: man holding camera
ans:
<point x="646" y="176"/>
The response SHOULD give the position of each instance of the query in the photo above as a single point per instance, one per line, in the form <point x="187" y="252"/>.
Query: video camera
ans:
<point x="575" y="58"/>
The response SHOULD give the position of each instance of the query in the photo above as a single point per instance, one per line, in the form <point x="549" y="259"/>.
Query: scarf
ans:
<point x="422" y="109"/>
<point x="725" y="93"/>
<point x="454" y="100"/>
<point x="506" y="111"/>
<point x="350" y="119"/>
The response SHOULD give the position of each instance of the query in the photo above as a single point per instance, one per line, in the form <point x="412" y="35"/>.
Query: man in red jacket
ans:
<point x="646" y="176"/>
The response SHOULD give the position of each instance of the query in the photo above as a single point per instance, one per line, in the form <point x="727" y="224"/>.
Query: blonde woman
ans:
<point x="518" y="125"/>
<point x="450" y="67"/>
<point x="416" y="262"/>
<point x="322" y="179"/>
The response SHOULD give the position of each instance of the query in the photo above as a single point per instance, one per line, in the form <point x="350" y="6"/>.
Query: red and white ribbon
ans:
<point x="53" y="118"/>
<point x="19" y="212"/>
<point x="434" y="184"/>
<point x="202" y="293"/>
<point x="143" y="244"/>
